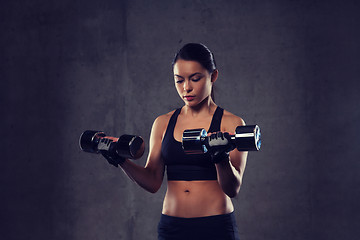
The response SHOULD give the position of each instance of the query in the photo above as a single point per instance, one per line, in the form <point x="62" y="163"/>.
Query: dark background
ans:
<point x="66" y="66"/>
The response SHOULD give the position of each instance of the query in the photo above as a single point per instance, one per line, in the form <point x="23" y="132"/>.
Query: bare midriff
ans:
<point x="189" y="199"/>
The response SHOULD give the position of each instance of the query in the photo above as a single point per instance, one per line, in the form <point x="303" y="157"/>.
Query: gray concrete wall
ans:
<point x="66" y="66"/>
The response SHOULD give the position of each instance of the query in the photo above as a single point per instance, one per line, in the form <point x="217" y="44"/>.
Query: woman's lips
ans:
<point x="189" y="98"/>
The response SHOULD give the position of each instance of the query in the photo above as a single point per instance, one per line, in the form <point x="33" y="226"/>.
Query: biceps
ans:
<point x="155" y="163"/>
<point x="238" y="160"/>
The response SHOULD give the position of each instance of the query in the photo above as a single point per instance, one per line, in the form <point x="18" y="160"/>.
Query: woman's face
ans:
<point x="193" y="82"/>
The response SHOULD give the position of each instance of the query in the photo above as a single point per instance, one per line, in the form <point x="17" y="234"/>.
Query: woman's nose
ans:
<point x="187" y="86"/>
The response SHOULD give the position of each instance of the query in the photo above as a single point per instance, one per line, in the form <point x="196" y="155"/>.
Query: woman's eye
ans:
<point x="179" y="81"/>
<point x="195" y="79"/>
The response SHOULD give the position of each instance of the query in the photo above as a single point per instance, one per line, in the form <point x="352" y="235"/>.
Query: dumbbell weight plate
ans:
<point x="248" y="138"/>
<point x="89" y="140"/>
<point x="193" y="141"/>
<point x="130" y="146"/>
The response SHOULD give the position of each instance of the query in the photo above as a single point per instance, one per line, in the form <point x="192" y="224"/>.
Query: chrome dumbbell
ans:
<point x="246" y="138"/>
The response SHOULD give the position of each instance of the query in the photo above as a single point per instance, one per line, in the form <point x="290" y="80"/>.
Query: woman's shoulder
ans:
<point x="230" y="121"/>
<point x="165" y="117"/>
<point x="163" y="120"/>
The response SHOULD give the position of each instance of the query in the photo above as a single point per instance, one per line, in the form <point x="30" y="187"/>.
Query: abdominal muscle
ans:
<point x="189" y="199"/>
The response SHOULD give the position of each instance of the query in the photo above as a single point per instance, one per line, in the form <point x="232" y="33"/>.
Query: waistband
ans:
<point x="221" y="219"/>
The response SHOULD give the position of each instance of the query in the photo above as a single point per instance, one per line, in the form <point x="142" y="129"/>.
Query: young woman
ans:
<point x="197" y="203"/>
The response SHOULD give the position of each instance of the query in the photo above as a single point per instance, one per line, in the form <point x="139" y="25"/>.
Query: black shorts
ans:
<point x="218" y="227"/>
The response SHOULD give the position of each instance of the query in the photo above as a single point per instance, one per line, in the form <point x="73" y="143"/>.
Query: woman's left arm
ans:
<point x="230" y="171"/>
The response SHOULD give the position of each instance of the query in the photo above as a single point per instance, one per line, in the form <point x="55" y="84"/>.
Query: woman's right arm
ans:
<point x="151" y="176"/>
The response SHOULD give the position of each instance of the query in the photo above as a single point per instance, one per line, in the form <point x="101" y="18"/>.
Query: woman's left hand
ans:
<point x="220" y="146"/>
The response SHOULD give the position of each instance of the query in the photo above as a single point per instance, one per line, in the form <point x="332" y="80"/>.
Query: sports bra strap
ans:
<point x="215" y="125"/>
<point x="172" y="121"/>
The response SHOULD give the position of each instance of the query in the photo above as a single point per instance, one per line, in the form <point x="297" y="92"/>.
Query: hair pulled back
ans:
<point x="197" y="52"/>
<point x="200" y="53"/>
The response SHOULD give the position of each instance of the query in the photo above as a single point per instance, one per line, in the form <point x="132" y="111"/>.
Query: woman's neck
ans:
<point x="206" y="107"/>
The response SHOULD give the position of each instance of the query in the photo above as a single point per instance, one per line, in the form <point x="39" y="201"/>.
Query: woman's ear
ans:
<point x="214" y="75"/>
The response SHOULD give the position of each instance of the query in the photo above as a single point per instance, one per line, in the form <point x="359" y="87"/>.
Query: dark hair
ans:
<point x="200" y="53"/>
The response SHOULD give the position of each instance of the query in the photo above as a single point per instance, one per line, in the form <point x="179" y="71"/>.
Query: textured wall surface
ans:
<point x="66" y="66"/>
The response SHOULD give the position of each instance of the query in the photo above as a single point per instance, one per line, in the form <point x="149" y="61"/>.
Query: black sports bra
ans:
<point x="181" y="166"/>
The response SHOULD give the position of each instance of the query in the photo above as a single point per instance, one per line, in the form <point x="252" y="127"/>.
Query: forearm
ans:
<point x="144" y="177"/>
<point x="228" y="177"/>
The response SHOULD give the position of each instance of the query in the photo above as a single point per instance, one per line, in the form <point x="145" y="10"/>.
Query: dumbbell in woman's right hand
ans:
<point x="115" y="150"/>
